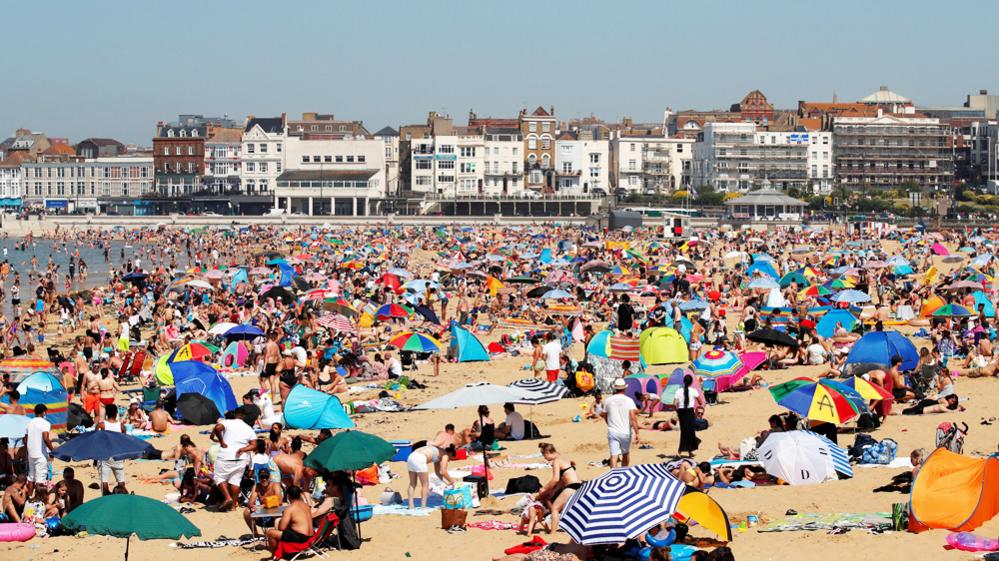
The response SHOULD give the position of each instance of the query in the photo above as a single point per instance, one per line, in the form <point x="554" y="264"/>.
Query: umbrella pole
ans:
<point x="357" y="505"/>
<point x="127" y="540"/>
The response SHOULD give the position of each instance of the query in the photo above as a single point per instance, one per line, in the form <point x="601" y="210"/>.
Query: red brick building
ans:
<point x="178" y="158"/>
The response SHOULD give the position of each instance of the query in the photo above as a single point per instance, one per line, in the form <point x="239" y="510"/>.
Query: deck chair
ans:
<point x="294" y="551"/>
<point x="149" y="398"/>
<point x="138" y="359"/>
<point x="126" y="362"/>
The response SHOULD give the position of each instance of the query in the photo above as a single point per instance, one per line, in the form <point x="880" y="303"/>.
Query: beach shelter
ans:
<point x="930" y="305"/>
<point x="235" y="355"/>
<point x="826" y="326"/>
<point x="13" y="427"/>
<point x="20" y="368"/>
<point x="954" y="492"/>
<point x="600" y="344"/>
<point x="638" y="384"/>
<point x="662" y="345"/>
<point x="191" y="376"/>
<point x="673" y="381"/>
<point x="798" y="277"/>
<point x="700" y="507"/>
<point x="306" y="408"/>
<point x="981" y="299"/>
<point x="939" y="249"/>
<point x="56" y="401"/>
<point x="41" y="381"/>
<point x="878" y="347"/>
<point x="762" y="267"/>
<point x="466" y="347"/>
<point x="749" y="361"/>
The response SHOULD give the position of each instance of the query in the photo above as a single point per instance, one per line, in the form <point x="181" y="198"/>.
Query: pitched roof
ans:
<point x="387" y="131"/>
<point x="270" y="125"/>
<point x="540" y="112"/>
<point x="765" y="197"/>
<point x="59" y="149"/>
<point x="102" y="141"/>
<point x="884" y="95"/>
<point x="234" y="136"/>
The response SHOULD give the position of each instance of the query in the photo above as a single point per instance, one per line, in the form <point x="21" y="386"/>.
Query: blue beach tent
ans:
<point x="306" y="408"/>
<point x="466" y="347"/>
<point x="191" y="376"/>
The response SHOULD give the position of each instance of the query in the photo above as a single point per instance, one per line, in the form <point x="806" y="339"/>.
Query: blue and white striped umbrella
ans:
<point x="802" y="457"/>
<point x="840" y="457"/>
<point x="547" y="391"/>
<point x="621" y="504"/>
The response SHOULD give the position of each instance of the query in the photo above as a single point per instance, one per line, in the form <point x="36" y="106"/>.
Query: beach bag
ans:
<point x="525" y="484"/>
<point x="453" y="517"/>
<point x="951" y="437"/>
<point x="881" y="453"/>
<point x="585" y="381"/>
<point x="860" y="442"/>
<point x="459" y="498"/>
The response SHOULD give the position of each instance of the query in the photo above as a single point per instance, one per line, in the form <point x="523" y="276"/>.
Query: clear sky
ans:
<point x="115" y="67"/>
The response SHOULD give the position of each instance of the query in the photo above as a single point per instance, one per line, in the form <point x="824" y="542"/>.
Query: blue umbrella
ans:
<point x="13" y="426"/>
<point x="693" y="306"/>
<point x="981" y="299"/>
<point x="103" y="445"/>
<point x="764" y="267"/>
<point x="879" y="347"/>
<point x="244" y="331"/>
<point x="765" y="283"/>
<point x="851" y="296"/>
<point x="621" y="504"/>
<point x="557" y="295"/>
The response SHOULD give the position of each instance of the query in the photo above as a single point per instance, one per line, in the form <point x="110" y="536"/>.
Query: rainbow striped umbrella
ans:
<point x="823" y="400"/>
<point x="391" y="311"/>
<point x="815" y="291"/>
<point x="716" y="363"/>
<point x="416" y="342"/>
<point x="952" y="311"/>
<point x="867" y="390"/>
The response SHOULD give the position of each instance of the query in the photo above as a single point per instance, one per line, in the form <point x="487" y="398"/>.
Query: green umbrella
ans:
<point x="123" y="515"/>
<point x="350" y="451"/>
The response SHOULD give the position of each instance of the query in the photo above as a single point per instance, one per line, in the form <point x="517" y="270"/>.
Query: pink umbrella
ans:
<point x="336" y="322"/>
<point x="214" y="274"/>
<point x="749" y="362"/>
<point x="260" y="271"/>
<point x="939" y="249"/>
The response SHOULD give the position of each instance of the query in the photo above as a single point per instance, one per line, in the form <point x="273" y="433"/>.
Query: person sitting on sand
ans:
<point x="264" y="488"/>
<point x="697" y="475"/>
<point x="977" y="365"/>
<point x="295" y="525"/>
<point x="14" y="498"/>
<point x="292" y="464"/>
<point x="159" y="419"/>
<point x="74" y="489"/>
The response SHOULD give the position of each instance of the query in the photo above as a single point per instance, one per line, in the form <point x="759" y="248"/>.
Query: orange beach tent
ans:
<point x="954" y="492"/>
<point x="930" y="305"/>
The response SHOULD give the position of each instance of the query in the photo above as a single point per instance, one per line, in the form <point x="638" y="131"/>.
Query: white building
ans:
<point x="222" y="160"/>
<point x="337" y="177"/>
<point x="262" y="155"/>
<point x="651" y="164"/>
<point x="738" y="157"/>
<point x="88" y="184"/>
<point x="581" y="164"/>
<point x="503" y="172"/>
<point x="390" y="138"/>
<point x="10" y="183"/>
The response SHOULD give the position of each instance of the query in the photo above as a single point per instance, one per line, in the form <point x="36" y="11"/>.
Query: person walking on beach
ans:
<point x="621" y="415"/>
<point x="685" y="401"/>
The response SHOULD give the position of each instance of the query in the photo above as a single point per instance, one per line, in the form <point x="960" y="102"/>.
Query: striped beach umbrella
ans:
<point x="621" y="504"/>
<point x="416" y="342"/>
<point x="391" y="311"/>
<point x="336" y="322"/>
<point x="547" y="390"/>
<point x="823" y="400"/>
<point x="815" y="291"/>
<point x="716" y="363"/>
<point x="803" y="457"/>
<point x="867" y="390"/>
<point x="952" y="311"/>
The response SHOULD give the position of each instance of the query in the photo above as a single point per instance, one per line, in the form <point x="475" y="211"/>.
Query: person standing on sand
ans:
<point x="236" y="439"/>
<point x="621" y="415"/>
<point x="272" y="356"/>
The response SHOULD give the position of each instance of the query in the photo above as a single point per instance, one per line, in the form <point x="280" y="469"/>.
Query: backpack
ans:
<point x="951" y="437"/>
<point x="585" y="381"/>
<point x="525" y="484"/>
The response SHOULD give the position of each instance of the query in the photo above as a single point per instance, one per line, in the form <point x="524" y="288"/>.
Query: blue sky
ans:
<point x="113" y="68"/>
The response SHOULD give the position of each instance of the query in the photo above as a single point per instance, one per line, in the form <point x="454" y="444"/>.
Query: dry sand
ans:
<point x="421" y="538"/>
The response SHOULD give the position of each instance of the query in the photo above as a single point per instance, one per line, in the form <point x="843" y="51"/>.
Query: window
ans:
<point x="594" y="172"/>
<point x="467" y="167"/>
<point x="632" y="147"/>
<point x="446" y="149"/>
<point x="328" y="159"/>
<point x="166" y="150"/>
<point x="278" y="147"/>
<point x="533" y="127"/>
<point x="388" y="152"/>
<point x="263" y="148"/>
<point x="190" y="150"/>
<point x="532" y="144"/>
<point x="339" y="159"/>
<point x="176" y="150"/>
<point x="316" y="159"/>
<point x="263" y="167"/>
<point x="546" y="144"/>
<point x="183" y="132"/>
<point x="305" y="159"/>
<point x="546" y="127"/>
<point x="445" y="179"/>
<point x="632" y="165"/>
<point x="277" y="167"/>
<point x="595" y="158"/>
<point x="445" y="164"/>
<point x="361" y="159"/>
<point x="250" y="186"/>
<point x="513" y="168"/>
<point x="467" y="151"/>
<point x="513" y="150"/>
<point x="468" y="185"/>
<point x="423" y="164"/>
<point x="350" y="159"/>
<point x="329" y="128"/>
<point x="566" y="167"/>
<point x="423" y="180"/>
<point x="249" y="148"/>
<point x="679" y="148"/>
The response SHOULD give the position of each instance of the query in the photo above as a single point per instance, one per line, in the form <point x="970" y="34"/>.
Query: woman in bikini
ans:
<point x="563" y="484"/>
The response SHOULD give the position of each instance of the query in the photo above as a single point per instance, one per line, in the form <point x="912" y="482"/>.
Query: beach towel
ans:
<point x="215" y="544"/>
<point x="830" y="521"/>
<point x="491" y="525"/>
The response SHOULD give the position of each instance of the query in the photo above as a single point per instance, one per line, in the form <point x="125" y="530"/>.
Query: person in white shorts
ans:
<point x="237" y="440"/>
<point x="418" y="464"/>
<point x="109" y="468"/>
<point x="39" y="444"/>
<point x="621" y="415"/>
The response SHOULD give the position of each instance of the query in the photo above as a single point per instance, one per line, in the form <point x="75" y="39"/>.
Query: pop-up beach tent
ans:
<point x="466" y="347"/>
<point x="306" y="408"/>
<point x="954" y="492"/>
<point x="191" y="376"/>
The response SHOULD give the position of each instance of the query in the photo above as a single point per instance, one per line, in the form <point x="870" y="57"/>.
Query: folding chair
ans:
<point x="312" y="547"/>
<point x="149" y="398"/>
<point x="126" y="362"/>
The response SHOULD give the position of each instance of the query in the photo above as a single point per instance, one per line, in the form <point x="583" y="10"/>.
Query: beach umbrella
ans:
<point x="192" y="351"/>
<point x="772" y="337"/>
<point x="621" y="287"/>
<point x="484" y="393"/>
<point x="596" y="266"/>
<point x="851" y="296"/>
<point x="866" y="390"/>
<point x="103" y="445"/>
<point x="14" y="426"/>
<point x="340" y="306"/>
<point x="840" y="284"/>
<point x="822" y="400"/>
<point x="748" y="362"/>
<point x="958" y="285"/>
<point x="416" y="342"/>
<point x="939" y="249"/>
<point x="695" y="305"/>
<point x="221" y="327"/>
<point x="878" y="347"/>
<point x="764" y="268"/>
<point x="337" y="322"/>
<point x="544" y="388"/>
<point x="41" y="381"/>
<point x="135" y="277"/>
<point x="621" y="504"/>
<point x="521" y="280"/>
<point x="714" y="363"/>
<point x="196" y="409"/>
<point x="814" y="291"/>
<point x="389" y="311"/>
<point x="798" y="277"/>
<point x="243" y="332"/>
<point x="952" y="311"/>
<point x="763" y="283"/>
<point x="122" y="516"/>
<point x="600" y="344"/>
<point x="803" y="457"/>
<point x="279" y="293"/>
<point x="427" y="314"/>
<point x="350" y="450"/>
<point x="557" y="295"/>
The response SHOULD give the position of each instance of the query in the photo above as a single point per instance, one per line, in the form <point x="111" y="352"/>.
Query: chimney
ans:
<point x="883" y="88"/>
<point x="983" y="92"/>
<point x="551" y="110"/>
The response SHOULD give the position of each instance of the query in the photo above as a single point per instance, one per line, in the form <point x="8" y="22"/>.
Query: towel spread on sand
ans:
<point x="830" y="521"/>
<point x="215" y="544"/>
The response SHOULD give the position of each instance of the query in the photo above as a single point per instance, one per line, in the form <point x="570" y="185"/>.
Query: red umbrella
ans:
<point x="391" y="281"/>
<point x="714" y="295"/>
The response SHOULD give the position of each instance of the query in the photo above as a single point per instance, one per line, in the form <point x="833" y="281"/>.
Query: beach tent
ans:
<point x="939" y="249"/>
<point x="465" y="347"/>
<point x="42" y="381"/>
<point x="56" y="401"/>
<point x="981" y="299"/>
<point x="662" y="345"/>
<point x="954" y="492"/>
<point x="191" y="376"/>
<point x="775" y="299"/>
<point x="827" y="325"/>
<point x="930" y="305"/>
<point x="600" y="344"/>
<point x="306" y="408"/>
<point x="674" y="381"/>
<point x="642" y="384"/>
<point x="235" y="355"/>
<point x="764" y="268"/>
<point x="878" y="347"/>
